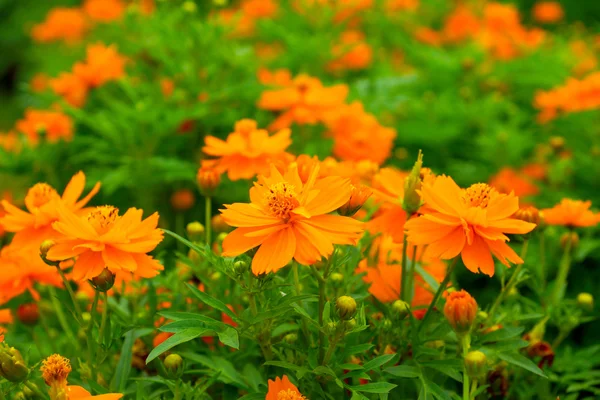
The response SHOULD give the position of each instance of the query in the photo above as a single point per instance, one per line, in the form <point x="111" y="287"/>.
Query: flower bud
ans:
<point x="208" y="180"/>
<point x="12" y="365"/>
<point x="476" y="364"/>
<point x="585" y="301"/>
<point x="182" y="200"/>
<point x="194" y="256"/>
<point x="401" y="308"/>
<point x="103" y="282"/>
<point x="570" y="239"/>
<point x="528" y="214"/>
<point x="189" y="7"/>
<point x="346" y="307"/>
<point x="358" y="197"/>
<point x="351" y="324"/>
<point x="240" y="267"/>
<point x="557" y="143"/>
<point x="290" y="338"/>
<point x="44" y="248"/>
<point x="219" y="224"/>
<point x="336" y="279"/>
<point x="460" y="311"/>
<point x="174" y="365"/>
<point x="28" y="313"/>
<point x="215" y="276"/>
<point x="513" y="293"/>
<point x="412" y="199"/>
<point x="195" y="231"/>
<point x="331" y="328"/>
<point x="387" y="324"/>
<point x="435" y="344"/>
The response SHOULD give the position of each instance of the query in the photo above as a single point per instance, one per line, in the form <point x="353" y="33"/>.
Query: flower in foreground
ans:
<point x="471" y="222"/>
<point x="571" y="213"/>
<point x="283" y="389"/>
<point x="42" y="201"/>
<point x="290" y="219"/>
<point x="103" y="238"/>
<point x="248" y="150"/>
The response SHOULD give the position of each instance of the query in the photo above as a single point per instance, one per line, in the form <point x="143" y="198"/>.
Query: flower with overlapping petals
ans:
<point x="571" y="213"/>
<point x="283" y="389"/>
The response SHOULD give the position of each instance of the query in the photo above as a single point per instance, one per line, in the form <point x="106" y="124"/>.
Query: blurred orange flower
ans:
<point x="358" y="135"/>
<point x="283" y="389"/>
<point x="10" y="142"/>
<point x="39" y="82"/>
<point x="71" y="87"/>
<point x="303" y="101"/>
<point x="103" y="238"/>
<point x="571" y="213"/>
<point x="104" y="10"/>
<point x="428" y="36"/>
<point x="461" y="24"/>
<point x="247" y="151"/>
<point x="508" y="180"/>
<point x="289" y="219"/>
<point x="278" y="77"/>
<point x="352" y="52"/>
<point x="401" y="5"/>
<point x="34" y="226"/>
<point x="6" y="316"/>
<point x="53" y="125"/>
<point x="68" y="24"/>
<point x="548" y="12"/>
<point x="471" y="222"/>
<point x="102" y="64"/>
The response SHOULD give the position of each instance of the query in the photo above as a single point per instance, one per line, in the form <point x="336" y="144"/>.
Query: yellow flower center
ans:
<point x="102" y="217"/>
<point x="281" y="200"/>
<point x="478" y="195"/>
<point x="55" y="369"/>
<point x="39" y="195"/>
<point x="289" y="394"/>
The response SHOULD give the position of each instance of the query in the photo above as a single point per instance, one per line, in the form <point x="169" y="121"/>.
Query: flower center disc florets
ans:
<point x="281" y="200"/>
<point x="289" y="394"/>
<point x="478" y="195"/>
<point x="55" y="369"/>
<point x="103" y="217"/>
<point x="40" y="194"/>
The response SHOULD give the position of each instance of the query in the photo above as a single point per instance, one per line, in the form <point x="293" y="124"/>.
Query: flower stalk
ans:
<point x="512" y="282"/>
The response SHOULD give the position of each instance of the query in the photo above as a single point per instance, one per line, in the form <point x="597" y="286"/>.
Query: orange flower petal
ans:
<point x="275" y="252"/>
<point x="477" y="256"/>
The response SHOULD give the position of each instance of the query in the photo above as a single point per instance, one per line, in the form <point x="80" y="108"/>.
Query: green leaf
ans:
<point x="522" y="362"/>
<point x="378" y="362"/>
<point x="284" y="364"/>
<point x="430" y="280"/>
<point x="214" y="303"/>
<point x="176" y="339"/>
<point x="503" y="334"/>
<point x="376" y="387"/>
<point x="124" y="365"/>
<point x="361" y="348"/>
<point x="229" y="337"/>
<point x="350" y="367"/>
<point x="436" y="390"/>
<point x="403" y="371"/>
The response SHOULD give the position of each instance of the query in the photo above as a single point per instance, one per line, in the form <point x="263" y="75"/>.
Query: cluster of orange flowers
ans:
<point x="352" y="52"/>
<point x="65" y="230"/>
<point x="52" y="125"/>
<point x="497" y="29"/>
<point x="575" y="95"/>
<point x="242" y="19"/>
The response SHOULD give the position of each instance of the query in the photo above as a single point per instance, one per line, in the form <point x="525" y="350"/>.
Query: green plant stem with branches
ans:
<point x="438" y="293"/>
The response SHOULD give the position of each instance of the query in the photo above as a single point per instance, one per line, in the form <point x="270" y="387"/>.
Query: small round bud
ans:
<point x="569" y="240"/>
<point x="194" y="256"/>
<point x="44" y="248"/>
<point x="103" y="282"/>
<point x="208" y="180"/>
<point x="190" y="7"/>
<point x="27" y="390"/>
<point x="336" y="277"/>
<point x="460" y="311"/>
<point x="476" y="364"/>
<point x="182" y="200"/>
<point x="86" y="316"/>
<point x="219" y="224"/>
<point x="401" y="308"/>
<point x="513" y="293"/>
<point x="290" y="338"/>
<point x="528" y="214"/>
<point x="358" y="197"/>
<point x="173" y="364"/>
<point x="28" y="313"/>
<point x="435" y="344"/>
<point x="482" y="316"/>
<point x="585" y="301"/>
<point x="351" y="324"/>
<point x="346" y="307"/>
<point x="195" y="231"/>
<point x="240" y="267"/>
<point x="557" y="143"/>
<point x="387" y="324"/>
<point x="331" y="327"/>
<point x="215" y="276"/>
<point x="221" y="236"/>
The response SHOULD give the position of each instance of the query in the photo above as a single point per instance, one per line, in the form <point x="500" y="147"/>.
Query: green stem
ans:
<point x="563" y="273"/>
<point x="543" y="260"/>
<point x="91" y="346"/>
<point x="251" y="298"/>
<point x="438" y="293"/>
<point x="35" y="390"/>
<point x="307" y="337"/>
<point x="322" y="282"/>
<point x="411" y="275"/>
<point x="512" y="282"/>
<point x="404" y="277"/>
<point x="465" y="350"/>
<point x="71" y="293"/>
<point x="473" y="387"/>
<point x="563" y="334"/>
<point x="208" y="220"/>
<point x="180" y="229"/>
<point x="331" y="348"/>
<point x="103" y="322"/>
<point x="61" y="316"/>
<point x="177" y="391"/>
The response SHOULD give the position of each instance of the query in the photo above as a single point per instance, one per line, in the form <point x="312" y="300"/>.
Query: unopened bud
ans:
<point x="182" y="200"/>
<point x="387" y="324"/>
<point x="482" y="316"/>
<point x="476" y="364"/>
<point x="412" y="200"/>
<point x="174" y="365"/>
<point x="27" y="390"/>
<point x="358" y="197"/>
<point x="331" y="328"/>
<point x="215" y="276"/>
<point x="44" y="248"/>
<point x="460" y="311"/>
<point x="435" y="344"/>
<point x="208" y="180"/>
<point x="220" y="237"/>
<point x="569" y="240"/>
<point x="350" y="324"/>
<point x="401" y="308"/>
<point x="346" y="307"/>
<point x="219" y="224"/>
<point x="290" y="338"/>
<point x="190" y="7"/>
<point x="195" y="231"/>
<point x="12" y="365"/>
<point x="585" y="301"/>
<point x="28" y="313"/>
<point x="528" y="214"/>
<point x="513" y="293"/>
<point x="194" y="256"/>
<point x="240" y="267"/>
<point x="103" y="282"/>
<point x="336" y="279"/>
<point x="557" y="143"/>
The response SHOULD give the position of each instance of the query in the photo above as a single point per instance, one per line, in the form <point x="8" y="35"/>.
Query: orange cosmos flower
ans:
<point x="548" y="12"/>
<point x="351" y="53"/>
<point x="79" y="393"/>
<point x="358" y="135"/>
<point x="289" y="219"/>
<point x="383" y="270"/>
<point x="102" y="64"/>
<point x="248" y="150"/>
<point x="571" y="213"/>
<point x="283" y="389"/>
<point x="34" y="226"/>
<point x="6" y="316"/>
<point x="68" y="24"/>
<point x="508" y="180"/>
<point x="21" y="270"/>
<point x="428" y="36"/>
<point x="401" y="5"/>
<point x="103" y="238"/>
<point x="471" y="222"/>
<point x="71" y="87"/>
<point x="104" y="10"/>
<point x="53" y="125"/>
<point x="461" y="24"/>
<point x="10" y="142"/>
<point x="278" y="77"/>
<point x="304" y="101"/>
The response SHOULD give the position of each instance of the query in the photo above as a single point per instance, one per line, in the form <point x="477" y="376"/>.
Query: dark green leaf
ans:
<point x="214" y="303"/>
<point x="376" y="387"/>
<point x="176" y="339"/>
<point x="378" y="362"/>
<point x="522" y="362"/>
<point x="403" y="371"/>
